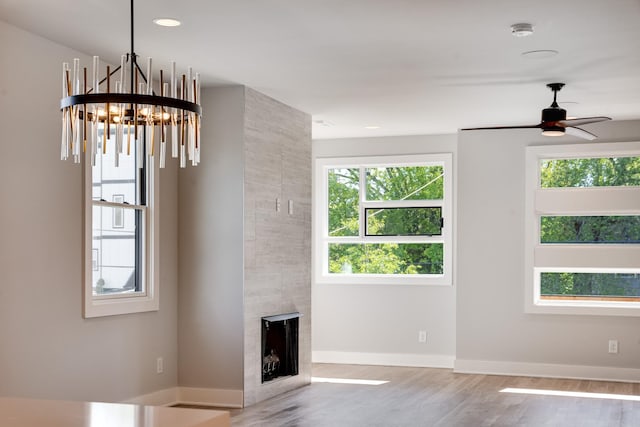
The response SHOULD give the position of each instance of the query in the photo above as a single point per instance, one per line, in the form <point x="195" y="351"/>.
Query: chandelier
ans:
<point x="124" y="109"/>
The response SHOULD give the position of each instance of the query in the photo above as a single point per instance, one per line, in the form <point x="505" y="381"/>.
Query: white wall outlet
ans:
<point x="159" y="365"/>
<point x="422" y="336"/>
<point x="278" y="204"/>
<point x="613" y="346"/>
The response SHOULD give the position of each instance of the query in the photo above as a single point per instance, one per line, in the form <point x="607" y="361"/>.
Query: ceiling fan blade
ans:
<point x="505" y="127"/>
<point x="580" y="133"/>
<point x="582" y="121"/>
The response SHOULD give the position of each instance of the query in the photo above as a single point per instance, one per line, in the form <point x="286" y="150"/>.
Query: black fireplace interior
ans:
<point x="279" y="346"/>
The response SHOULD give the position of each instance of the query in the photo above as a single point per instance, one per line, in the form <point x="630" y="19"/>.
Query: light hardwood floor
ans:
<point x="439" y="397"/>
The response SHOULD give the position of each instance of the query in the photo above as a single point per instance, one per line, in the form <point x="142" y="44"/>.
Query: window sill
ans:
<point x="100" y="307"/>
<point x="591" y="308"/>
<point x="373" y="279"/>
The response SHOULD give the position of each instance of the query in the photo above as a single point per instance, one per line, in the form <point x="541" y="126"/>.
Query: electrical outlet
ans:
<point x="422" y="336"/>
<point x="613" y="346"/>
<point x="159" y="365"/>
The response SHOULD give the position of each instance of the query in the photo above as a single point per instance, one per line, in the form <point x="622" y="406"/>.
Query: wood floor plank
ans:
<point x="438" y="397"/>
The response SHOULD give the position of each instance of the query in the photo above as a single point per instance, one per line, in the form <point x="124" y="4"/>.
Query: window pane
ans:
<point x="405" y="183"/>
<point x="114" y="252"/>
<point x="386" y="258"/>
<point x="592" y="172"/>
<point x="404" y="222"/>
<point x="344" y="187"/>
<point x="567" y="285"/>
<point x="590" y="229"/>
<point x="110" y="181"/>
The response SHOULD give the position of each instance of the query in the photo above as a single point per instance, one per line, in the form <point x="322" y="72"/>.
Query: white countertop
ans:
<point x="15" y="412"/>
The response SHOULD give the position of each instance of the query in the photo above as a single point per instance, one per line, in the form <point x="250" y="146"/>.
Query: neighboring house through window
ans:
<point x="120" y="232"/>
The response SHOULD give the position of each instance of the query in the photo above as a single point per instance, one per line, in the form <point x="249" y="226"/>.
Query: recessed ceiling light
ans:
<point x="372" y="127"/>
<point x="540" y="54"/>
<point x="522" y="29"/>
<point x="166" y="22"/>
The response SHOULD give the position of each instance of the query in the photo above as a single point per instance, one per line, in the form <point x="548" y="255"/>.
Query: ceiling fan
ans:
<point x="554" y="120"/>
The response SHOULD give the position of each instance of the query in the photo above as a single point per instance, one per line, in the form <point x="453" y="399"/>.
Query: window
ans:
<point x="583" y="229"/>
<point x="384" y="220"/>
<point x="120" y="232"/>
<point x="118" y="213"/>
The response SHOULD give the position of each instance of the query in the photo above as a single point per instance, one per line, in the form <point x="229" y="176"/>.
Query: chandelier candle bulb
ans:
<point x="189" y="92"/>
<point x="116" y="153"/>
<point x="85" y="117"/>
<point x="128" y="139"/>
<point x="64" y="148"/>
<point x="163" y="153"/>
<point x="76" y="76"/>
<point x="123" y="67"/>
<point x="107" y="124"/>
<point x="96" y="74"/>
<point x="139" y="141"/>
<point x="78" y="137"/>
<point x="183" y="118"/>
<point x="153" y="128"/>
<point x="94" y="137"/>
<point x="149" y="77"/>
<point x="163" y="91"/>
<point x="174" y="116"/>
<point x="183" y="158"/>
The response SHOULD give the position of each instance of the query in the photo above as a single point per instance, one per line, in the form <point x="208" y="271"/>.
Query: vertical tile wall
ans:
<point x="277" y="243"/>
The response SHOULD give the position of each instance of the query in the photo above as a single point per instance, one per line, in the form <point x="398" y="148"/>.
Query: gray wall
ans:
<point x="491" y="323"/>
<point x="385" y="319"/>
<point x="46" y="348"/>
<point x="210" y="302"/>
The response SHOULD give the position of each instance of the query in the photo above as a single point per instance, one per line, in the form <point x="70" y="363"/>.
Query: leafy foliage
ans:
<point x="590" y="172"/>
<point x="590" y="284"/>
<point x="387" y="184"/>
<point x="403" y="221"/>
<point x="590" y="229"/>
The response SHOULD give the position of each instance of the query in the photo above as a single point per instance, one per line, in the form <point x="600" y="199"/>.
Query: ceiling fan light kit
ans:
<point x="554" y="120"/>
<point x="553" y="131"/>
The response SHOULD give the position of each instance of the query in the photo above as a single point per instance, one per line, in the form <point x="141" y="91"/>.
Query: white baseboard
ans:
<point x="191" y="396"/>
<point x="211" y="397"/>
<point x="166" y="397"/>
<point x="384" y="359"/>
<point x="547" y="370"/>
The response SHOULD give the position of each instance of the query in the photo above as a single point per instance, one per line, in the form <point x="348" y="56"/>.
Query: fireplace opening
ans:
<point x="279" y="346"/>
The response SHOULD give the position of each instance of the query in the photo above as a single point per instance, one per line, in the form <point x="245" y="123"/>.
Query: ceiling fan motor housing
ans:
<point x="553" y="114"/>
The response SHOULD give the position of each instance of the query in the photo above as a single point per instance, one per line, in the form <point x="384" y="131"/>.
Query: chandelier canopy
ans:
<point x="130" y="111"/>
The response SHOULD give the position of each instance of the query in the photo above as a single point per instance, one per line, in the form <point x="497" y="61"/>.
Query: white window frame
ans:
<point x="321" y="223"/>
<point x="148" y="299"/>
<point x="578" y="258"/>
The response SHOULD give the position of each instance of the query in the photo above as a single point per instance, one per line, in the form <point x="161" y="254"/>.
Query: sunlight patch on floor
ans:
<point x="347" y="381"/>
<point x="571" y="394"/>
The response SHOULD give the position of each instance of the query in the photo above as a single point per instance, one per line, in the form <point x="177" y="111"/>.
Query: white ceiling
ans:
<point x="408" y="66"/>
